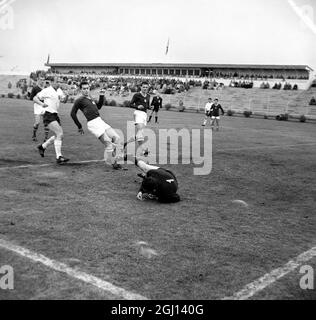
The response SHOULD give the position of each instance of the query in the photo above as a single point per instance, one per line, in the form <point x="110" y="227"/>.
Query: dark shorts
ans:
<point x="49" y="117"/>
<point x="156" y="109"/>
<point x="209" y="114"/>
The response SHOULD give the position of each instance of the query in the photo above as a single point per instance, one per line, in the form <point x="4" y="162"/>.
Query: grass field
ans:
<point x="86" y="216"/>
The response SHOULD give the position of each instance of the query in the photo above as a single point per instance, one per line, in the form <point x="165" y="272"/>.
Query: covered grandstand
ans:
<point x="225" y="71"/>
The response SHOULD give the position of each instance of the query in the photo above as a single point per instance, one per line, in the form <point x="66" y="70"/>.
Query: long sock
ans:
<point x="46" y="130"/>
<point x="48" y="142"/>
<point x="156" y="119"/>
<point x="149" y="118"/>
<point x="57" y="145"/>
<point x="35" y="128"/>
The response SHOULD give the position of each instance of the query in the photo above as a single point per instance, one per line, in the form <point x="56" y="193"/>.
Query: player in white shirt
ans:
<point x="208" y="113"/>
<point x="50" y="118"/>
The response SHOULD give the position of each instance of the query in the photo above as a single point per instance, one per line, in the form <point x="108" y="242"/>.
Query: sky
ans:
<point x="137" y="31"/>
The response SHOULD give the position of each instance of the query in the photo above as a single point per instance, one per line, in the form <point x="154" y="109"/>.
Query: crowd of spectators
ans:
<point x="278" y="86"/>
<point x="253" y="77"/>
<point x="212" y="85"/>
<point x="124" y="86"/>
<point x="241" y="84"/>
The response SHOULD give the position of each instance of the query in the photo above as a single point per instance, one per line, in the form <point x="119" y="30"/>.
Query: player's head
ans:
<point x="209" y="99"/>
<point x="85" y="88"/>
<point x="47" y="83"/>
<point x="144" y="87"/>
<point x="216" y="101"/>
<point x="149" y="185"/>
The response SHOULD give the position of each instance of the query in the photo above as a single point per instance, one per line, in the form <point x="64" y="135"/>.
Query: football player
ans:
<point x="215" y="113"/>
<point x="101" y="130"/>
<point x="208" y="113"/>
<point x="140" y="101"/>
<point x="38" y="110"/>
<point x="51" y="119"/>
<point x="156" y="103"/>
<point x="158" y="183"/>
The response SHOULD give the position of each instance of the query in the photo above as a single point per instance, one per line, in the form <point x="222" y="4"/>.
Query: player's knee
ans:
<point x="59" y="136"/>
<point x="115" y="138"/>
<point x="109" y="147"/>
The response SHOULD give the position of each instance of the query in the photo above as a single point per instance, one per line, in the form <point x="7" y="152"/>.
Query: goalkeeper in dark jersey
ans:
<point x="158" y="183"/>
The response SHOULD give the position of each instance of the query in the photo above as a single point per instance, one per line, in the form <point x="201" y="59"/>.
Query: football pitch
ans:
<point x="77" y="231"/>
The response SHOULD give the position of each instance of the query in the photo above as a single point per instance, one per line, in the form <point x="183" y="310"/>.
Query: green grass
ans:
<point x="87" y="215"/>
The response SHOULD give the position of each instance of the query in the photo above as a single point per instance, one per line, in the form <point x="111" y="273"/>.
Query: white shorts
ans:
<point x="97" y="127"/>
<point x="38" y="110"/>
<point x="218" y="118"/>
<point x="140" y="135"/>
<point x="140" y="117"/>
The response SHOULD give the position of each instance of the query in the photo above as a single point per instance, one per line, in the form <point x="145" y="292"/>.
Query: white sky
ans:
<point x="200" y="31"/>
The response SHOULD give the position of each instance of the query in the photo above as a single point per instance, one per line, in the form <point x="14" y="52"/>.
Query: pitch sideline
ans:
<point x="30" y="166"/>
<point x="263" y="282"/>
<point x="73" y="273"/>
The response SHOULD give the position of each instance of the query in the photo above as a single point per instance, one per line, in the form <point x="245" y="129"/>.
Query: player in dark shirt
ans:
<point x="38" y="111"/>
<point x="216" y="107"/>
<point x="101" y="130"/>
<point x="141" y="98"/>
<point x="158" y="184"/>
<point x="140" y="101"/>
<point x="156" y="103"/>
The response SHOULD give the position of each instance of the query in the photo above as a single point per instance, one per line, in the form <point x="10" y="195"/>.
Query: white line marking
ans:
<point x="29" y="166"/>
<point x="254" y="287"/>
<point x="61" y="267"/>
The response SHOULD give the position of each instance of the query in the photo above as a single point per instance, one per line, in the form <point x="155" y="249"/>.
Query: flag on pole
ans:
<point x="48" y="59"/>
<point x="167" y="48"/>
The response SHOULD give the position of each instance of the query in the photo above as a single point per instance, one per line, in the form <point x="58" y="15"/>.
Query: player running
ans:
<point x="156" y="103"/>
<point x="51" y="119"/>
<point x="208" y="113"/>
<point x="101" y="130"/>
<point x="215" y="113"/>
<point x="140" y="101"/>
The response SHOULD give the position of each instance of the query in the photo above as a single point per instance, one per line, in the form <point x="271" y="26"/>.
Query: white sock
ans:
<point x="57" y="145"/>
<point x="48" y="142"/>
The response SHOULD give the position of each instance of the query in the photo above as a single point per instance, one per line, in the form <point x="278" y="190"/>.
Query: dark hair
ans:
<point x="144" y="83"/>
<point x="149" y="184"/>
<point x="83" y="83"/>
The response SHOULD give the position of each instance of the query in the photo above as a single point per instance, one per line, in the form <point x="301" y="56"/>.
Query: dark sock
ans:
<point x="156" y="119"/>
<point x="149" y="118"/>
<point x="46" y="132"/>
<point x="35" y="128"/>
